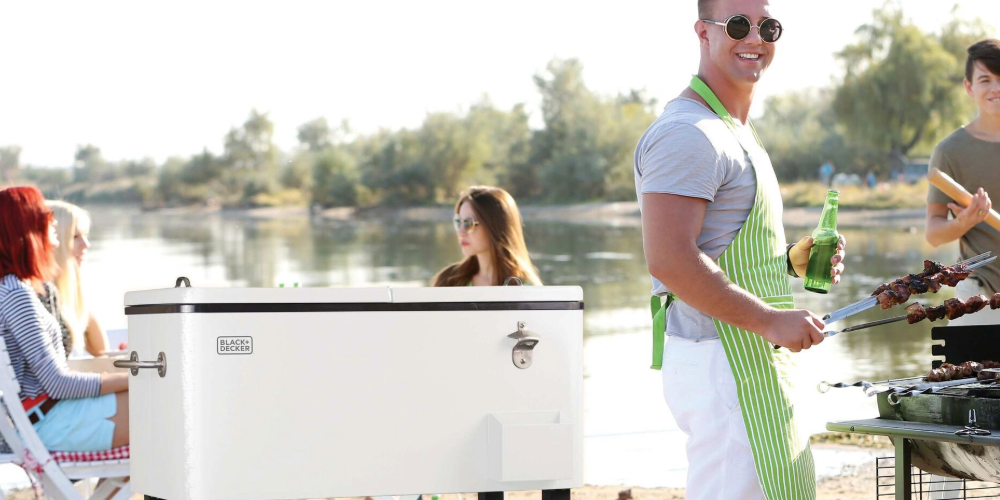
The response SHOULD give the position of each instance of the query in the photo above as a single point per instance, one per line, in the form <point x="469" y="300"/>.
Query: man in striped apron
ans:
<point x="715" y="247"/>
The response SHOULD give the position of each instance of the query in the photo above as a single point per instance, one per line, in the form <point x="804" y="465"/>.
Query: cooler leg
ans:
<point x="492" y="495"/>
<point x="555" y="494"/>
<point x="904" y="483"/>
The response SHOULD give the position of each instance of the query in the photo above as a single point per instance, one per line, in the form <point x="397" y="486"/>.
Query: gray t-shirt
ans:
<point x="689" y="151"/>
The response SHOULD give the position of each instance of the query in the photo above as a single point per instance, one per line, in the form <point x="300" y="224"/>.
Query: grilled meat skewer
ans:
<point x="951" y="309"/>
<point x="915" y="313"/>
<point x="931" y="279"/>
<point x="969" y="369"/>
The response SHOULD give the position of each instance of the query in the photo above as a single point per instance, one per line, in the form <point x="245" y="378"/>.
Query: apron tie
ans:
<point x="658" y="309"/>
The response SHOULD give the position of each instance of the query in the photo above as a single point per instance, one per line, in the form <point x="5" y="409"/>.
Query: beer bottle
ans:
<point x="825" y="239"/>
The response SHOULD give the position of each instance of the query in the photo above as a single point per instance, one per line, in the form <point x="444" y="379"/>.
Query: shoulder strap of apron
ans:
<point x="706" y="93"/>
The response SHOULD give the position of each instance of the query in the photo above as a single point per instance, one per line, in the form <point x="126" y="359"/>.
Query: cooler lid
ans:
<point x="409" y="295"/>
<point x="197" y="295"/>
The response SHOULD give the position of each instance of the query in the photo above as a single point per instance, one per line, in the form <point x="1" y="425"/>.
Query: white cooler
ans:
<point x="284" y="393"/>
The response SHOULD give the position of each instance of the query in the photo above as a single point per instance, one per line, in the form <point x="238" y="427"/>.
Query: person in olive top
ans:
<point x="488" y="226"/>
<point x="971" y="156"/>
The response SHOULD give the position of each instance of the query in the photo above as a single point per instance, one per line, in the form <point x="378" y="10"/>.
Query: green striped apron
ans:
<point x="755" y="261"/>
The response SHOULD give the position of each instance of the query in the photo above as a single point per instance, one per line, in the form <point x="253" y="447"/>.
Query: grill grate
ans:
<point x="929" y="487"/>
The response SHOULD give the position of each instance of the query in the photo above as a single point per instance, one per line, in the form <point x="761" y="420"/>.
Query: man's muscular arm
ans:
<point x="670" y="228"/>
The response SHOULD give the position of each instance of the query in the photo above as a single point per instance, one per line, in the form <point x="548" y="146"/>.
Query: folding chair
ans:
<point x="54" y="472"/>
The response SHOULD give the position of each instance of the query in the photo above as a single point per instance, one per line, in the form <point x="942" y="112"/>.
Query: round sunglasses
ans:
<point x="467" y="224"/>
<point x="739" y="27"/>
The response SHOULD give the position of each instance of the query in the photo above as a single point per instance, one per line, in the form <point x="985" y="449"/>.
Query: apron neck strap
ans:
<point x="701" y="88"/>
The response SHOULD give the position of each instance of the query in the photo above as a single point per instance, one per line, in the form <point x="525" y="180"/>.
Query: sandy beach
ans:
<point x="854" y="484"/>
<point x="849" y="487"/>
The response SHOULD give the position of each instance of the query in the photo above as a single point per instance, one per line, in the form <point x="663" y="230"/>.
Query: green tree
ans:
<point x="296" y="174"/>
<point x="901" y="85"/>
<point x="90" y="165"/>
<point x="251" y="148"/>
<point x="315" y="135"/>
<point x="138" y="168"/>
<point x="203" y="168"/>
<point x="585" y="150"/>
<point x="392" y="170"/>
<point x="10" y="163"/>
<point x="170" y="183"/>
<point x="50" y="180"/>
<point x="800" y="131"/>
<point x="449" y="153"/>
<point x="335" y="179"/>
<point x="251" y="161"/>
<point x="507" y="139"/>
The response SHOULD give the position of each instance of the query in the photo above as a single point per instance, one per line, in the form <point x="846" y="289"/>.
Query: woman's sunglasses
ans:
<point x="739" y="27"/>
<point x="467" y="224"/>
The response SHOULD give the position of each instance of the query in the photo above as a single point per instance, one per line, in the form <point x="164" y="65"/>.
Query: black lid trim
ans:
<point x="279" y="307"/>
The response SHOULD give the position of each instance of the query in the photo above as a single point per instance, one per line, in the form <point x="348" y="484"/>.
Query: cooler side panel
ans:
<point x="372" y="403"/>
<point x="160" y="435"/>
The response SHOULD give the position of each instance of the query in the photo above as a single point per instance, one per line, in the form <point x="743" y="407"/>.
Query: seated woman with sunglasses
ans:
<point x="70" y="410"/>
<point x="488" y="225"/>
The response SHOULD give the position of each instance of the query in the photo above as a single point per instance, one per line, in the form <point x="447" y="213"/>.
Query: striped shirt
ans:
<point x="34" y="343"/>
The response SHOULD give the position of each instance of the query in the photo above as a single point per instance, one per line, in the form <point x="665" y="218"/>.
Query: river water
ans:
<point x="630" y="436"/>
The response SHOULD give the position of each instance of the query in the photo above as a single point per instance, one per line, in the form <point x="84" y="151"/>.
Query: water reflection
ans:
<point x="607" y="262"/>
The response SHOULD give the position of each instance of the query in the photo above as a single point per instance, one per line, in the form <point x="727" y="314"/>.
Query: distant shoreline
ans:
<point x="607" y="213"/>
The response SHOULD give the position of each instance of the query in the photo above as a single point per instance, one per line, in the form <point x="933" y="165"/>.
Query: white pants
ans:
<point x="942" y="488"/>
<point x="699" y="388"/>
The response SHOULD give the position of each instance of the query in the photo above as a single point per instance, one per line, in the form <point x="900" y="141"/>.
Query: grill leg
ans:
<point x="904" y="483"/>
<point x="492" y="495"/>
<point x="555" y="494"/>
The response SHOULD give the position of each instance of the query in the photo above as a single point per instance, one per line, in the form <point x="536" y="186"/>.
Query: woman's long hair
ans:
<point x="25" y="249"/>
<point x="497" y="214"/>
<point x="72" y="219"/>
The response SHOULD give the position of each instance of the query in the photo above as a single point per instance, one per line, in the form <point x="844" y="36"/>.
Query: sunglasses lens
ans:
<point x="738" y="27"/>
<point x="770" y="30"/>
<point x="467" y="225"/>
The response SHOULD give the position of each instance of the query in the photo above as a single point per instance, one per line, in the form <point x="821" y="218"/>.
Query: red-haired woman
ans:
<point x="70" y="410"/>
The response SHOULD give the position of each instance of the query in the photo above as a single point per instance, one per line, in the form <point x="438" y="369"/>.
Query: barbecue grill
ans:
<point x="946" y="428"/>
<point x="254" y="394"/>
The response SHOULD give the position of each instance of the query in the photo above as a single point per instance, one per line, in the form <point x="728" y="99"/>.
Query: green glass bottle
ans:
<point x="825" y="239"/>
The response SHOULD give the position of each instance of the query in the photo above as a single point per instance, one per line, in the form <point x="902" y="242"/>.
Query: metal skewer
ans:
<point x="863" y="326"/>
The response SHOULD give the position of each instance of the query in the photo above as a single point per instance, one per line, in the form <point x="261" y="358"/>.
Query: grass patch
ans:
<point x="885" y="195"/>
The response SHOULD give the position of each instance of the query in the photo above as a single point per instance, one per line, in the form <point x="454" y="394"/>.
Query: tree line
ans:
<point x="899" y="94"/>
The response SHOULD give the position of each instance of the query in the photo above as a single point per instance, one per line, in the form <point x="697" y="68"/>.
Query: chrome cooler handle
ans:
<point x="133" y="364"/>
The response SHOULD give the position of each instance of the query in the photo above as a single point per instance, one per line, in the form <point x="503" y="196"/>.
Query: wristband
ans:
<point x="788" y="261"/>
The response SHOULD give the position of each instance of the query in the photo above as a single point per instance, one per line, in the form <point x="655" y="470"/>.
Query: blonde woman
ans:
<point x="488" y="226"/>
<point x="73" y="229"/>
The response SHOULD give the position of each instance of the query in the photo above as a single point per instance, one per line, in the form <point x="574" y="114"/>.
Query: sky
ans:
<point x="144" y="79"/>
